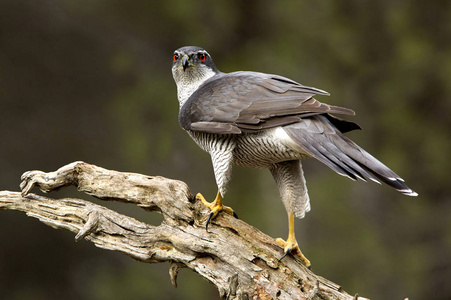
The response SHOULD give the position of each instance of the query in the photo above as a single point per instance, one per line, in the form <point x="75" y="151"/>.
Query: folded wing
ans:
<point x="249" y="101"/>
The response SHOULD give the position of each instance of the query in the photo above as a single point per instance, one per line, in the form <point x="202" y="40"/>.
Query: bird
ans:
<point x="261" y="120"/>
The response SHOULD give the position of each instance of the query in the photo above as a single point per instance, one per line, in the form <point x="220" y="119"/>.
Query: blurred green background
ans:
<point x="91" y="80"/>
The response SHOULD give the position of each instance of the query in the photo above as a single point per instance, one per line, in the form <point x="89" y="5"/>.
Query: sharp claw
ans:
<point x="285" y="254"/>
<point x="235" y="215"/>
<point x="208" y="221"/>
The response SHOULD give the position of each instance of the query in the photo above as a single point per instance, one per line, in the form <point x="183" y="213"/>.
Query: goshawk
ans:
<point x="267" y="121"/>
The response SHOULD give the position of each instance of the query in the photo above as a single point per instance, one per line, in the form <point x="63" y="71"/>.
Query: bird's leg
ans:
<point x="216" y="206"/>
<point x="291" y="245"/>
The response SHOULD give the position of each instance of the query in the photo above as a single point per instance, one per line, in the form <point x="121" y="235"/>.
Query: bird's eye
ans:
<point x="175" y="57"/>
<point x="201" y="56"/>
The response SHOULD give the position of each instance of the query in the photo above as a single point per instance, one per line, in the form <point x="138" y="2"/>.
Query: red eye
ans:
<point x="201" y="56"/>
<point x="176" y="57"/>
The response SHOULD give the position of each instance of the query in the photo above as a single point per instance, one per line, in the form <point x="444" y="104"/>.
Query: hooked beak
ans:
<point x="185" y="62"/>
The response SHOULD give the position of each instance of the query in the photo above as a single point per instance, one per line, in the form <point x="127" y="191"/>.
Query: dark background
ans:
<point x="91" y="80"/>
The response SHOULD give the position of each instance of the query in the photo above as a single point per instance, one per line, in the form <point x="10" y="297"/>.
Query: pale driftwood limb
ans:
<point x="241" y="261"/>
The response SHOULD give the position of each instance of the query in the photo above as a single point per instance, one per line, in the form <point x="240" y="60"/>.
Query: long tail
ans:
<point x="318" y="137"/>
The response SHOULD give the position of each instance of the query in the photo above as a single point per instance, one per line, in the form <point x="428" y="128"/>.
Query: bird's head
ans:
<point x="192" y="64"/>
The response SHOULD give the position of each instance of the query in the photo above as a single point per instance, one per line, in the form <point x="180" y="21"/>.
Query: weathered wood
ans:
<point x="241" y="261"/>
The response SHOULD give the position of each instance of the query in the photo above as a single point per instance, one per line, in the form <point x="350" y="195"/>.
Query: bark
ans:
<point x="241" y="261"/>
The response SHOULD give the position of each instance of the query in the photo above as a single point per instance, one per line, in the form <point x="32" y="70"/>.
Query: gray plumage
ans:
<point x="268" y="121"/>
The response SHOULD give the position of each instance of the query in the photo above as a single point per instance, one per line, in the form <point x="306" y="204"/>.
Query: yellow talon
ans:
<point x="216" y="206"/>
<point x="291" y="245"/>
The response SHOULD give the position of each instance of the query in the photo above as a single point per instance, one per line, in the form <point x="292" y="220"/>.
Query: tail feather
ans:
<point x="335" y="154"/>
<point x="339" y="168"/>
<point x="342" y="155"/>
<point x="398" y="185"/>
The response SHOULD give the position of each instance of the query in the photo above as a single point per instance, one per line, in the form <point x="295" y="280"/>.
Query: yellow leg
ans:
<point x="291" y="245"/>
<point x="216" y="206"/>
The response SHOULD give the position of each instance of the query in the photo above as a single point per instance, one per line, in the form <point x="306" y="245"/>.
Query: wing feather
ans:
<point x="251" y="101"/>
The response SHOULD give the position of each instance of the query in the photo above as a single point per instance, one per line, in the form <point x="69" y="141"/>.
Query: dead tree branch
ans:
<point x="241" y="261"/>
